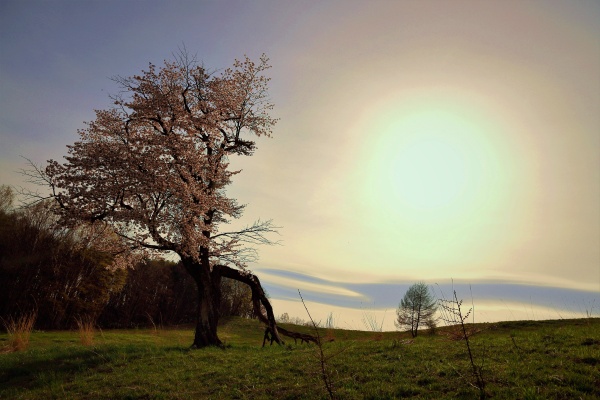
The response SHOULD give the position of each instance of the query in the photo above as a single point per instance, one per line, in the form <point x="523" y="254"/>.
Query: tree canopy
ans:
<point x="155" y="165"/>
<point x="154" y="168"/>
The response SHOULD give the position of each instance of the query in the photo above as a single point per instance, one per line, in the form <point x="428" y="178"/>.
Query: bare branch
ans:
<point x="253" y="234"/>
<point x="36" y="175"/>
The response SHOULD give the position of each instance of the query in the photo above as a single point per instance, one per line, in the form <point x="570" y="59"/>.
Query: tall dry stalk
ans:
<point x="19" y="330"/>
<point x="370" y="321"/>
<point x="452" y="314"/>
<point x="325" y="372"/>
<point x="85" y="327"/>
<point x="156" y="329"/>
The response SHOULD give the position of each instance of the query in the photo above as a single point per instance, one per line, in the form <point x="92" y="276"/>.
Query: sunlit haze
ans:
<point x="456" y="143"/>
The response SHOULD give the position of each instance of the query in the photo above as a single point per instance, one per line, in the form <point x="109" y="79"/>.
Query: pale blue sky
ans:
<point x="421" y="140"/>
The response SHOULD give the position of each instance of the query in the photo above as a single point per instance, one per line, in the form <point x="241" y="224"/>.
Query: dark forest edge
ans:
<point x="50" y="272"/>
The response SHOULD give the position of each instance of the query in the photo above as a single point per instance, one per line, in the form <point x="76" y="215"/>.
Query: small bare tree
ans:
<point x="453" y="314"/>
<point x="418" y="307"/>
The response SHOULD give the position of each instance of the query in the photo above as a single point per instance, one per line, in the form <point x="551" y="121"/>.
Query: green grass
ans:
<point x="525" y="360"/>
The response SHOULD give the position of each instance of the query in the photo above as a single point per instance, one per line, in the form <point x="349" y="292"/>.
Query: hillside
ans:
<point x="522" y="359"/>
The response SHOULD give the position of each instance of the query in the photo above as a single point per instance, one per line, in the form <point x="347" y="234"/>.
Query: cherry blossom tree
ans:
<point x="154" y="167"/>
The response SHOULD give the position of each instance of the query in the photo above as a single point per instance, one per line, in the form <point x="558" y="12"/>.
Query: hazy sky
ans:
<point x="418" y="140"/>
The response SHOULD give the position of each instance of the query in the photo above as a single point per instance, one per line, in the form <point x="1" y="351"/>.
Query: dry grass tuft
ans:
<point x="19" y="330"/>
<point x="329" y="336"/>
<point x="85" y="327"/>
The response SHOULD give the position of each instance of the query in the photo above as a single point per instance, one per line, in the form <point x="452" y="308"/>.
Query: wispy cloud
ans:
<point x="285" y="284"/>
<point x="493" y="300"/>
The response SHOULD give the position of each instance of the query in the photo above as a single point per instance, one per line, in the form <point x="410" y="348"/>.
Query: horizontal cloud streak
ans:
<point x="308" y="284"/>
<point x="548" y="302"/>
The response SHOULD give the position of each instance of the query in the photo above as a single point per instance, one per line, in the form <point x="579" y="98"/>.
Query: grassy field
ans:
<point x="521" y="360"/>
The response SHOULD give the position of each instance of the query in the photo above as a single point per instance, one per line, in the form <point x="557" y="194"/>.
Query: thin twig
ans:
<point x="325" y="376"/>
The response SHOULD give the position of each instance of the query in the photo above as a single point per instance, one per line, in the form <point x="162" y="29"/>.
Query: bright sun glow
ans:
<point x="432" y="163"/>
<point x="427" y="171"/>
<point x="433" y="180"/>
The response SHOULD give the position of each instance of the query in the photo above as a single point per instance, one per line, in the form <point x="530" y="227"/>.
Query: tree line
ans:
<point x="57" y="272"/>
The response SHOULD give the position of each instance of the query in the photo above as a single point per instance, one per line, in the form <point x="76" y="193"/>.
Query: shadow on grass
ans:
<point x="26" y="374"/>
<point x="63" y="365"/>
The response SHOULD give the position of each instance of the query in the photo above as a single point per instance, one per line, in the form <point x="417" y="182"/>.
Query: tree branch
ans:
<point x="252" y="234"/>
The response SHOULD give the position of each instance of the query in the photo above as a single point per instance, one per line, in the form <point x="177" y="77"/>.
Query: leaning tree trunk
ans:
<point x="258" y="298"/>
<point x="208" y="284"/>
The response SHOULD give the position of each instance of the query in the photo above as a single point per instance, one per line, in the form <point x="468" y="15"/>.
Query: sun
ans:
<point x="434" y="182"/>
<point x="428" y="172"/>
<point x="429" y="165"/>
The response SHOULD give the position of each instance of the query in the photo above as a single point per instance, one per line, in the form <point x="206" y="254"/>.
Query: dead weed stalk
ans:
<point x="325" y="372"/>
<point x="452" y="314"/>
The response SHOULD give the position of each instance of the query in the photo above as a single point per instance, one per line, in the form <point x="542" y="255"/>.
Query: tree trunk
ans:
<point x="208" y="282"/>
<point x="209" y="298"/>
